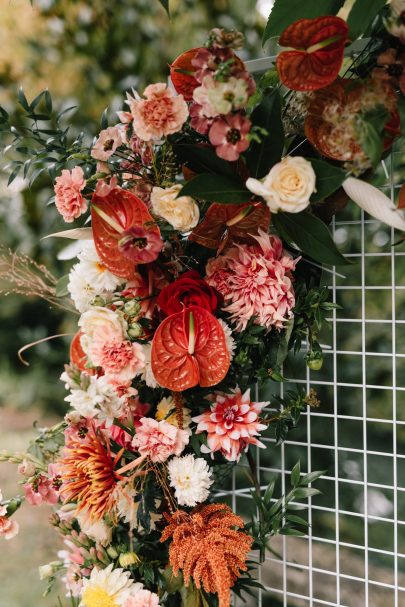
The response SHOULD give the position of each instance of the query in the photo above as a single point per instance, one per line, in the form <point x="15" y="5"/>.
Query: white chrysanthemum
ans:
<point x="81" y="291"/>
<point x="229" y="340"/>
<point x="98" y="531"/>
<point x="191" y="479"/>
<point x="147" y="374"/>
<point x="127" y="507"/>
<point x="108" y="587"/>
<point x="95" y="271"/>
<point x="99" y="400"/>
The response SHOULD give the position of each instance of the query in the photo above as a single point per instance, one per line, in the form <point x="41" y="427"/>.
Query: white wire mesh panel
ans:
<point x="354" y="552"/>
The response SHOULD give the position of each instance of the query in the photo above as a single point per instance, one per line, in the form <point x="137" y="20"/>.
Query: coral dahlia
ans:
<point x="232" y="424"/>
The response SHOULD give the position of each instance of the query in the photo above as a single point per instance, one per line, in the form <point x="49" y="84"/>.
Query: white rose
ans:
<point x="288" y="187"/>
<point x="182" y="213"/>
<point x="99" y="319"/>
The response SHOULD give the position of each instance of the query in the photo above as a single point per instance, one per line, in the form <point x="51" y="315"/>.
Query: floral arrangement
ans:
<point x="203" y="231"/>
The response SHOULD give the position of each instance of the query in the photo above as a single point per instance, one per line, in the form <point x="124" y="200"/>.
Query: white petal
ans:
<point x="375" y="202"/>
<point x="75" y="234"/>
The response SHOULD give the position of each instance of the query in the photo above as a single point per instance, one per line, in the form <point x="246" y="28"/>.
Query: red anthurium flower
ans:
<point x="189" y="349"/>
<point x="318" y="52"/>
<point x="78" y="356"/>
<point x="181" y="74"/>
<point x="124" y="232"/>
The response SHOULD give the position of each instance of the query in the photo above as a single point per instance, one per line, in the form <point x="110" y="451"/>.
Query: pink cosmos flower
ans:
<point x="40" y="491"/>
<point x="142" y="598"/>
<point x="120" y="359"/>
<point x="161" y="113"/>
<point x="140" y="245"/>
<point x="107" y="142"/>
<point x="229" y="135"/>
<point x="199" y="121"/>
<point x="68" y="198"/>
<point x="256" y="281"/>
<point x="159" y="440"/>
<point x="232" y="424"/>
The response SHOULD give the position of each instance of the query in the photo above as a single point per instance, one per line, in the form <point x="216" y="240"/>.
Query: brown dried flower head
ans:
<point x="207" y="546"/>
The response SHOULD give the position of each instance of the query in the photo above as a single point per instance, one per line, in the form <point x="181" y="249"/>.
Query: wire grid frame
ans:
<point x="354" y="552"/>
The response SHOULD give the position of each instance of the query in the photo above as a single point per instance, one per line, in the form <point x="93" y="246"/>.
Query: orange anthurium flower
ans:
<point x="78" y="356"/>
<point x="318" y="52"/>
<point x="189" y="349"/>
<point x="181" y="74"/>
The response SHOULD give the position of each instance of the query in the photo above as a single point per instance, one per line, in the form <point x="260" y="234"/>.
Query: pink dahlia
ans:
<point x="68" y="198"/>
<point x="161" y="113"/>
<point x="119" y="358"/>
<point x="232" y="424"/>
<point x="159" y="440"/>
<point x="229" y="135"/>
<point x="256" y="282"/>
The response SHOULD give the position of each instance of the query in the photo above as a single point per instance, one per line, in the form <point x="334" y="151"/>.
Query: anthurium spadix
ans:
<point x="374" y="202"/>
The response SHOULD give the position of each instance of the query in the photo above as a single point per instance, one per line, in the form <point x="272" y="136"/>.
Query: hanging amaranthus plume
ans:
<point x="207" y="547"/>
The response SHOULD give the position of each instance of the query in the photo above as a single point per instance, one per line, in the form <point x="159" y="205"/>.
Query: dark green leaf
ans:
<point x="262" y="156"/>
<point x="291" y="531"/>
<point x="22" y="100"/>
<point x="216" y="188"/>
<point x="296" y="474"/>
<point x="310" y="235"/>
<point x="311" y="477"/>
<point x="269" y="493"/>
<point x="165" y="4"/>
<point x="361" y="15"/>
<point x="36" y="100"/>
<point x="283" y="13"/>
<point x="293" y="518"/>
<point x="203" y="160"/>
<point x="48" y="101"/>
<point x="328" y="179"/>
<point x="304" y="492"/>
<point x="14" y="174"/>
<point x="104" y="119"/>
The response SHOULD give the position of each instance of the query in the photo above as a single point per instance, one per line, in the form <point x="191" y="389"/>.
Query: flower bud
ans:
<point x="126" y="559"/>
<point x="132" y="307"/>
<point x="135" y="330"/>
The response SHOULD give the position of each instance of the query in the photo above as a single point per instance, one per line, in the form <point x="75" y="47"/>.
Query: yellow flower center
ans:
<point x="100" y="267"/>
<point x="98" y="597"/>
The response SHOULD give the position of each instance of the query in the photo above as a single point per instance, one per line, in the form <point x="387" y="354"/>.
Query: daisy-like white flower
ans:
<point x="191" y="479"/>
<point x="81" y="291"/>
<point x="107" y="587"/>
<point x="100" y="400"/>
<point x="96" y="272"/>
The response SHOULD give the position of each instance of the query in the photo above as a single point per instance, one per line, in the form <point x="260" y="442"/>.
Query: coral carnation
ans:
<point x="159" y="440"/>
<point x="256" y="282"/>
<point x="68" y="198"/>
<point x="161" y="113"/>
<point x="232" y="424"/>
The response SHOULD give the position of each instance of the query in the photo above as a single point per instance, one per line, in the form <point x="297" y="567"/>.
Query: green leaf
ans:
<point x="291" y="531"/>
<point x="361" y="15"/>
<point x="61" y="289"/>
<point x="284" y="13"/>
<point x="296" y="474"/>
<point x="165" y="4"/>
<point x="311" y="477"/>
<point x="370" y="130"/>
<point x="328" y="179"/>
<point x="216" y="188"/>
<point x="22" y="100"/>
<point x="310" y="235"/>
<point x="203" y="159"/>
<point x="104" y="119"/>
<point x="304" y="492"/>
<point x="262" y="156"/>
<point x="293" y="518"/>
<point x="269" y="493"/>
<point x="48" y="101"/>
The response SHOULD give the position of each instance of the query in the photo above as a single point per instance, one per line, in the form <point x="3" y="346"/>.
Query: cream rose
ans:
<point x="288" y="187"/>
<point x="182" y="213"/>
<point x="100" y="319"/>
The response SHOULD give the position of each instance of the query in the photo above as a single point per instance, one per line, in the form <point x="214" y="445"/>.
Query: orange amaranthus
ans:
<point x="207" y="547"/>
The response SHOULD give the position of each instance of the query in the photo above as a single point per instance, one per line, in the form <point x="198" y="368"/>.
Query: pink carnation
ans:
<point x="41" y="491"/>
<point x="159" y="440"/>
<point x="142" y="598"/>
<point x="8" y="527"/>
<point x="232" y="424"/>
<point x="68" y="198"/>
<point x="255" y="281"/>
<point x="161" y="113"/>
<point x="120" y="359"/>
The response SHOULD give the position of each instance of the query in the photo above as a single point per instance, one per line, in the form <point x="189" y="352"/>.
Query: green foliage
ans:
<point x="328" y="179"/>
<point x="263" y="154"/>
<point x="290" y="408"/>
<point x="46" y="446"/>
<point x="203" y="159"/>
<point x="276" y="516"/>
<point x="370" y="130"/>
<point x="284" y="13"/>
<point x="216" y="188"/>
<point x="361" y="15"/>
<point x="147" y="499"/>
<point x="310" y="235"/>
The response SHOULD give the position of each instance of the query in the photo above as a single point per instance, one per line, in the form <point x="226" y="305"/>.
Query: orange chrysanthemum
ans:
<point x="207" y="547"/>
<point x="88" y="474"/>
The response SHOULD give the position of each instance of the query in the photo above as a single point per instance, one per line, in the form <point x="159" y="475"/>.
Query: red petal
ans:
<point x="184" y="83"/>
<point x="78" y="356"/>
<point x="172" y="365"/>
<point x="126" y="210"/>
<point x="300" y="70"/>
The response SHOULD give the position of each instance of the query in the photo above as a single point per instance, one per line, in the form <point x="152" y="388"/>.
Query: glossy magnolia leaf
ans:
<point x="124" y="210"/>
<point x="203" y="159"/>
<point x="328" y="179"/>
<point x="283" y="12"/>
<point x="216" y="188"/>
<point x="181" y="74"/>
<point x="224" y="224"/>
<point x="189" y="349"/>
<point x="310" y="235"/>
<point x="318" y="57"/>
<point x="78" y="356"/>
<point x="374" y="202"/>
<point x="262" y="156"/>
<point x="362" y="14"/>
<point x="75" y="234"/>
